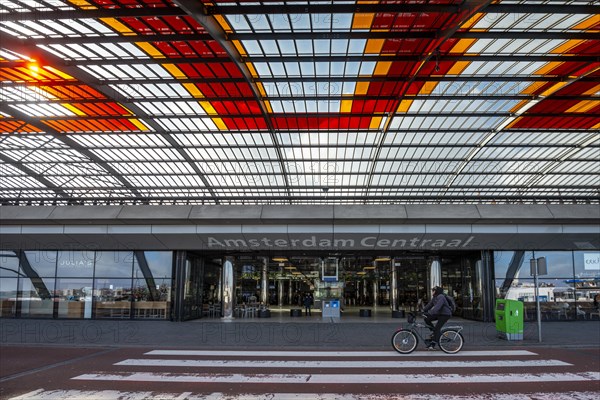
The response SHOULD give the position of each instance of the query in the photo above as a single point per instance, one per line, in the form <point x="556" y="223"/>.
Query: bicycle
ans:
<point x="405" y="340"/>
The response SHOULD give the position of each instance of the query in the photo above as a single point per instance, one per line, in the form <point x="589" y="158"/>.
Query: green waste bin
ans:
<point x="509" y="319"/>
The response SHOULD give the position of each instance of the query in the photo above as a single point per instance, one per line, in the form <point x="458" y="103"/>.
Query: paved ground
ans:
<point x="280" y="331"/>
<point x="287" y="358"/>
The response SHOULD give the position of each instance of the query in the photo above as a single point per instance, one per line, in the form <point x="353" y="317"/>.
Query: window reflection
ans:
<point x="74" y="297"/>
<point x="36" y="298"/>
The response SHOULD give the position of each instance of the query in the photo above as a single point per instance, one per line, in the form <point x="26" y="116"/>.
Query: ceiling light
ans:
<point x="279" y="259"/>
<point x="369" y="267"/>
<point x="383" y="259"/>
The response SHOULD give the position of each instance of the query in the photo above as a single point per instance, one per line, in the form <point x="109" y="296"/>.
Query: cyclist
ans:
<point x="436" y="310"/>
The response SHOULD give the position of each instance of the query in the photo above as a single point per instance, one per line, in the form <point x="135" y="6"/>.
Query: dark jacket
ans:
<point x="438" y="306"/>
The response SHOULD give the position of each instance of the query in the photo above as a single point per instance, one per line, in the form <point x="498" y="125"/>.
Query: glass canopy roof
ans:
<point x="299" y="102"/>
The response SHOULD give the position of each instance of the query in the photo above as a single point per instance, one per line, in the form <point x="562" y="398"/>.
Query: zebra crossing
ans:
<point x="323" y="374"/>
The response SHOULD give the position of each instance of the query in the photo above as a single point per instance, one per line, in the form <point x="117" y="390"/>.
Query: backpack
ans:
<point x="451" y="303"/>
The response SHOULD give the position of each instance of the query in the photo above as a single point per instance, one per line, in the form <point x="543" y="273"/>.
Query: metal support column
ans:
<point x="264" y="282"/>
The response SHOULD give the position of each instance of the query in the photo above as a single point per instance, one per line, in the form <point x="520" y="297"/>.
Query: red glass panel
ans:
<point x="167" y="49"/>
<point x="232" y="70"/>
<point x="158" y="25"/>
<point x="183" y="49"/>
<point x="219" y="90"/>
<point x="245" y="89"/>
<point x="202" y="48"/>
<point x="216" y="48"/>
<point x="220" y="70"/>
<point x="555" y="123"/>
<point x="401" y="68"/>
<point x="188" y="70"/>
<point x="137" y="25"/>
<point x="204" y="70"/>
<point x="17" y="126"/>
<point x="383" y="21"/>
<point x="231" y="89"/>
<point x="206" y="89"/>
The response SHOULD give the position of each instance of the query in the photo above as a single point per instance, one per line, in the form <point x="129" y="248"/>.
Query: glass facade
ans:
<point x="569" y="290"/>
<point x="86" y="284"/>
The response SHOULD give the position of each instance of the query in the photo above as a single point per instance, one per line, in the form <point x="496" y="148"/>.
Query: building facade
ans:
<point x="187" y="262"/>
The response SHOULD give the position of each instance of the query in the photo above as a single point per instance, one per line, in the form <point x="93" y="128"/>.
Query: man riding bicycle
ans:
<point x="438" y="310"/>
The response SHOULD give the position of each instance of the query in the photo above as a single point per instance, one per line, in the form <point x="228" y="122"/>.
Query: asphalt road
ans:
<point x="94" y="373"/>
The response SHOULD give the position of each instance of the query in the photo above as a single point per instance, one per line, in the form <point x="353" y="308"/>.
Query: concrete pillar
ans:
<point x="228" y="288"/>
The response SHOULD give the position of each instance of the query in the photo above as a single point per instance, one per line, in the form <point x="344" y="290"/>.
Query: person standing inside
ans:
<point x="308" y="302"/>
<point x="438" y="310"/>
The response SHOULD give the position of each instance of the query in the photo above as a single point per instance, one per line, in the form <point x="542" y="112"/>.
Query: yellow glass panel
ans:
<point x="361" y="88"/>
<point x="462" y="46"/>
<point x="592" y="91"/>
<point x="519" y="106"/>
<point x="175" y="71"/>
<point x="240" y="48"/>
<point x="583" y="106"/>
<point x="375" y="123"/>
<point x="117" y="26"/>
<point x="362" y="20"/>
<point x="346" y="106"/>
<point x="428" y="87"/>
<point x="74" y="109"/>
<point x="404" y="106"/>
<point x="223" y="22"/>
<point x="565" y="47"/>
<point x="150" y="49"/>
<point x="374" y="46"/>
<point x="193" y="90"/>
<point x="458" y="67"/>
<point x="220" y="124"/>
<point x="531" y="89"/>
<point x="59" y="73"/>
<point x="207" y="107"/>
<point x="252" y="70"/>
<point x="261" y="89"/>
<point x="127" y="109"/>
<point x="82" y="4"/>
<point x="268" y="106"/>
<point x="548" y="67"/>
<point x="141" y="126"/>
<point x="509" y="126"/>
<point x="472" y="21"/>
<point x="382" y="68"/>
<point x="553" y="88"/>
<point x="585" y="24"/>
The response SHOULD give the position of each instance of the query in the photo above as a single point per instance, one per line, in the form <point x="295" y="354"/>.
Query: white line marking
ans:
<point x="322" y="379"/>
<point x="114" y="394"/>
<point x="339" y="364"/>
<point x="390" y="353"/>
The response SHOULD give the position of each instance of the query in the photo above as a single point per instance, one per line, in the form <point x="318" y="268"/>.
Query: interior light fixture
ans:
<point x="369" y="267"/>
<point x="361" y="273"/>
<point x="383" y="259"/>
<point x="279" y="259"/>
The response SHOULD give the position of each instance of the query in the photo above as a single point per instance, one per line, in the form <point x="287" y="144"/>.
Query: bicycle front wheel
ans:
<point x="404" y="341"/>
<point x="451" y="341"/>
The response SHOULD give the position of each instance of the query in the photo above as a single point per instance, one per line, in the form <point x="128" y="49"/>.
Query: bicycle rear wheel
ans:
<point x="404" y="341"/>
<point x="451" y="341"/>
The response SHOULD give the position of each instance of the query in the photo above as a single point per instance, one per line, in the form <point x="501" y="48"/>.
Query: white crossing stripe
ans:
<point x="321" y="379"/>
<point x="121" y="395"/>
<point x="339" y="364"/>
<point x="285" y="353"/>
